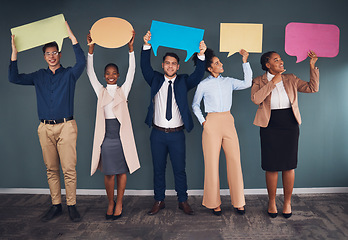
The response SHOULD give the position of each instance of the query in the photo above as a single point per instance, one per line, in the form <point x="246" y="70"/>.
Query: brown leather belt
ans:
<point x="168" y="130"/>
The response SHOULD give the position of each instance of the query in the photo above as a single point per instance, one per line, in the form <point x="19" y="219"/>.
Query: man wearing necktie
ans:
<point x="169" y="114"/>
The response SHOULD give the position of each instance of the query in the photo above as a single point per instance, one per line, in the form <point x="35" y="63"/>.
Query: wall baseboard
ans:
<point x="199" y="192"/>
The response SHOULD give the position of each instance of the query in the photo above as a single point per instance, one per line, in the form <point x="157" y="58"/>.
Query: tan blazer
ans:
<point x="121" y="112"/>
<point x="261" y="93"/>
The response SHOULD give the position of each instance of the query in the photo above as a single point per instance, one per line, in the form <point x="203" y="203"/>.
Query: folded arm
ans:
<point x="258" y="93"/>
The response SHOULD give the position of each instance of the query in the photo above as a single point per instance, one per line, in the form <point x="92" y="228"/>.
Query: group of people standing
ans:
<point x="114" y="148"/>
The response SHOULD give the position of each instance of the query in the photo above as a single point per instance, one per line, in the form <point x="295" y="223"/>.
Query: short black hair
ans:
<point x="171" y="54"/>
<point x="265" y="58"/>
<point x="51" y="44"/>
<point x="111" y="65"/>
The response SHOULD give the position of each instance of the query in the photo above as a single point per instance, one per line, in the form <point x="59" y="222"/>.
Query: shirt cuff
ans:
<point x="146" y="47"/>
<point x="90" y="54"/>
<point x="201" y="120"/>
<point x="201" y="57"/>
<point x="131" y="53"/>
<point x="77" y="45"/>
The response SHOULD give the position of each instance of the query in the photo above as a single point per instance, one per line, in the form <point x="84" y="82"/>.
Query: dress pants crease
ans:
<point x="219" y="130"/>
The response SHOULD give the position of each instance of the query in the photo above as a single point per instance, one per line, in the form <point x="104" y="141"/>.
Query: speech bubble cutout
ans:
<point x="40" y="32"/>
<point x="175" y="36"/>
<point x="323" y="39"/>
<point x="111" y="32"/>
<point x="237" y="36"/>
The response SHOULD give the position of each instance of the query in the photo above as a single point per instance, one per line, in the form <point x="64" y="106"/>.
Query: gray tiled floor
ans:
<point x="319" y="216"/>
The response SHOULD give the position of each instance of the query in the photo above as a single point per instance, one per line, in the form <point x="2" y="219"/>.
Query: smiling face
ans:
<point x="52" y="57"/>
<point x="170" y="67"/>
<point x="216" y="67"/>
<point x="111" y="75"/>
<point x="275" y="64"/>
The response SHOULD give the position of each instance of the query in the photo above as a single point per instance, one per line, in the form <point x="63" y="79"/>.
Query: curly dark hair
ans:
<point x="209" y="55"/>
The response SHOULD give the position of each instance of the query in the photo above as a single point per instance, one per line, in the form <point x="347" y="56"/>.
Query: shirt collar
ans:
<point x="167" y="79"/>
<point x="270" y="76"/>
<point x="111" y="86"/>
<point x="57" y="71"/>
<point x="211" y="76"/>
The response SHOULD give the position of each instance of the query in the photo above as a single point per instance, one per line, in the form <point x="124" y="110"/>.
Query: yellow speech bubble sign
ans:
<point x="237" y="36"/>
<point x="40" y="32"/>
<point x="111" y="32"/>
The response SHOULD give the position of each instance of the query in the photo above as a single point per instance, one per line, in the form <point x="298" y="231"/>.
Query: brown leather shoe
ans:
<point x="186" y="208"/>
<point x="158" y="205"/>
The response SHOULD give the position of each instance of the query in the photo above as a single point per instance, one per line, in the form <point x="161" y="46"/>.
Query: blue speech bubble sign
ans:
<point x="175" y="36"/>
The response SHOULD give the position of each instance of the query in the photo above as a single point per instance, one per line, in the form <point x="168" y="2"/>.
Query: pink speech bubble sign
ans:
<point x="323" y="39"/>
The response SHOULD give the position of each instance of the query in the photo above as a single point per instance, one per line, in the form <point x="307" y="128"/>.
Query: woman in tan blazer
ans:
<point x="114" y="150"/>
<point x="279" y="118"/>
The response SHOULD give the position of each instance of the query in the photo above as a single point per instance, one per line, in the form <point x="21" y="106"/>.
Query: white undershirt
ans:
<point x="111" y="88"/>
<point x="161" y="107"/>
<point x="279" y="98"/>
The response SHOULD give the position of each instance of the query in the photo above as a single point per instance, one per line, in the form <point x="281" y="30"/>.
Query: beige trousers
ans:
<point x="219" y="130"/>
<point x="58" y="144"/>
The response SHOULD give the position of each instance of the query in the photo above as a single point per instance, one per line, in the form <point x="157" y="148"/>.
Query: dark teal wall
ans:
<point x="323" y="151"/>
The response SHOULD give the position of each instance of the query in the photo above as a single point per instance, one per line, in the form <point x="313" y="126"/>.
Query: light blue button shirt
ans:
<point x="217" y="92"/>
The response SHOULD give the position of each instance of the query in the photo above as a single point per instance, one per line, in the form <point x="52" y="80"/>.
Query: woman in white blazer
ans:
<point x="114" y="150"/>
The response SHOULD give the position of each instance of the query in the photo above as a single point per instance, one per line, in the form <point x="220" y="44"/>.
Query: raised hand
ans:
<point x="147" y="38"/>
<point x="278" y="77"/>
<point x="314" y="58"/>
<point x="131" y="42"/>
<point x="14" y="49"/>
<point x="202" y="48"/>
<point x="244" y="54"/>
<point x="90" y="44"/>
<point x="71" y="35"/>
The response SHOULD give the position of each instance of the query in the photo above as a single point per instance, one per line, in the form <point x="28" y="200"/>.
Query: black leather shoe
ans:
<point x="217" y="213"/>
<point x="241" y="212"/>
<point x="74" y="214"/>
<point x="115" y="217"/>
<point x="287" y="215"/>
<point x="107" y="216"/>
<point x="157" y="206"/>
<point x="272" y="215"/>
<point x="186" y="208"/>
<point x="53" y="211"/>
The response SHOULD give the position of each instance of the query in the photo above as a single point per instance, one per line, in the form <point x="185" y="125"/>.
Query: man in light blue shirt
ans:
<point x="219" y="130"/>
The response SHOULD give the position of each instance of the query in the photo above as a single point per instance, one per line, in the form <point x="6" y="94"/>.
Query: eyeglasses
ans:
<point x="47" y="54"/>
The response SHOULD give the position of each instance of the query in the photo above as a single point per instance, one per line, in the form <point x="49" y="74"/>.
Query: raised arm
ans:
<point x="313" y="84"/>
<point x="71" y="34"/>
<point x="14" y="49"/>
<point x="145" y="63"/>
<point x="80" y="64"/>
<point x="248" y="74"/>
<point x="127" y="85"/>
<point x="97" y="86"/>
<point x="13" y="75"/>
<point x="194" y="79"/>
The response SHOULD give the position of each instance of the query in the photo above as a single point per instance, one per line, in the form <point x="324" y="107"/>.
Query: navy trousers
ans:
<point x="173" y="143"/>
